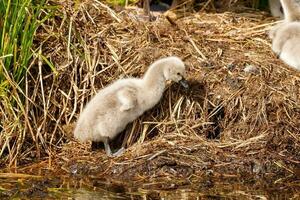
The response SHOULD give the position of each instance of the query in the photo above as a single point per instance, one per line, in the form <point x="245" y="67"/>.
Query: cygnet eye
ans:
<point x="178" y="74"/>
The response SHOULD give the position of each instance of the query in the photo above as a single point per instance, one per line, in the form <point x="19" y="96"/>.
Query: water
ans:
<point x="90" y="189"/>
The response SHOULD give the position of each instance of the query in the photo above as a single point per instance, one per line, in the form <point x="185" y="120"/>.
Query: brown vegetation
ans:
<point x="241" y="117"/>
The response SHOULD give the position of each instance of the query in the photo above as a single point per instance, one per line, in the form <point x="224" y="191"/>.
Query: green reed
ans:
<point x="19" y="21"/>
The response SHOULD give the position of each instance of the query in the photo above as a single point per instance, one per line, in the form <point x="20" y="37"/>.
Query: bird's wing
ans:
<point x="128" y="98"/>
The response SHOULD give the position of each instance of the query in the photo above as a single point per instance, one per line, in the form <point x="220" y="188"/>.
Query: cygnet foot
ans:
<point x="119" y="152"/>
<point x="108" y="151"/>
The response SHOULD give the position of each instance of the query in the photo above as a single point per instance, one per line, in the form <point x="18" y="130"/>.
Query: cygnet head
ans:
<point x="174" y="69"/>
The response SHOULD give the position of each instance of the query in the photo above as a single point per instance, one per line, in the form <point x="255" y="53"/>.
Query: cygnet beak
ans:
<point x="184" y="83"/>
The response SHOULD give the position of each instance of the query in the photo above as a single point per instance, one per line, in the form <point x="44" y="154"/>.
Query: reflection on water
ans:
<point x="88" y="195"/>
<point x="182" y="194"/>
<point x="57" y="188"/>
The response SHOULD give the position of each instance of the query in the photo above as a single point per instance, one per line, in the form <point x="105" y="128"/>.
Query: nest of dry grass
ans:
<point x="232" y="122"/>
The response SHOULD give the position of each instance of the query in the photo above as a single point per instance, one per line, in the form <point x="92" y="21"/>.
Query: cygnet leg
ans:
<point x="146" y="7"/>
<point x="108" y="150"/>
<point x="107" y="147"/>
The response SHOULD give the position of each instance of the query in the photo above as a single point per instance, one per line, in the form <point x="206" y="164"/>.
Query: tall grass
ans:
<point x="19" y="20"/>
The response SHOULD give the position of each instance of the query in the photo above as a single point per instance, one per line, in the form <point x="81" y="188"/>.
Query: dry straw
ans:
<point x="231" y="121"/>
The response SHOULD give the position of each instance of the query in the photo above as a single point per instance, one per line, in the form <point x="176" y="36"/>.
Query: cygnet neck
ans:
<point x="154" y="79"/>
<point x="155" y="75"/>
